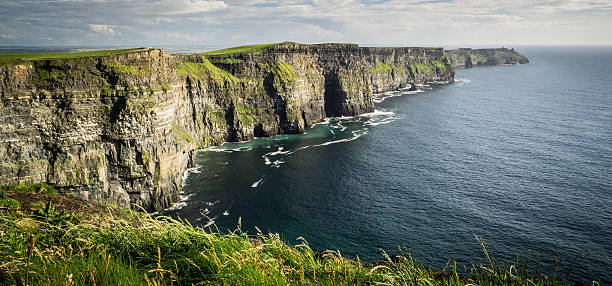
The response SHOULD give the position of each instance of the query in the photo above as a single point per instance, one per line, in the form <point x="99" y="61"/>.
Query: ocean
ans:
<point x="519" y="156"/>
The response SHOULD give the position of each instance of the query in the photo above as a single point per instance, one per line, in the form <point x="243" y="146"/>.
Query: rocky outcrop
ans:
<point x="122" y="128"/>
<point x="467" y="58"/>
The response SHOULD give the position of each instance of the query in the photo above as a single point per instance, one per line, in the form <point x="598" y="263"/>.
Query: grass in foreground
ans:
<point x="14" y="58"/>
<point x="108" y="246"/>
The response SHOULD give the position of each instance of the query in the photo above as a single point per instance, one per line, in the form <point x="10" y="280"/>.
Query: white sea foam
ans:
<point x="324" y="122"/>
<point x="413" y="91"/>
<point x="388" y="120"/>
<point x="383" y="98"/>
<point x="227" y="149"/>
<point x="186" y="197"/>
<point x="279" y="151"/>
<point x="379" y="117"/>
<point x="211" y="221"/>
<point x="338" y="125"/>
<point x="188" y="172"/>
<point x="277" y="163"/>
<point x="380" y="97"/>
<point x="176" y="206"/>
<point x="462" y="81"/>
<point x="355" y="136"/>
<point x="441" y="82"/>
<point x="256" y="184"/>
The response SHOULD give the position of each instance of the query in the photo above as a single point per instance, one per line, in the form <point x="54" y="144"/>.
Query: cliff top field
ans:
<point x="14" y="58"/>
<point x="238" y="50"/>
<point x="53" y="239"/>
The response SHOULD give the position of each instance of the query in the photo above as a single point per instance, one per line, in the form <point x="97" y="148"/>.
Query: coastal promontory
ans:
<point x="122" y="126"/>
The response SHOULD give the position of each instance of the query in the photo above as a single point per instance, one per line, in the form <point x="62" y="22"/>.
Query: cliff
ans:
<point x="121" y="126"/>
<point x="467" y="58"/>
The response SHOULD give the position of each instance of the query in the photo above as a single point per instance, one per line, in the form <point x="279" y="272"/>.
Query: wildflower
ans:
<point x="69" y="278"/>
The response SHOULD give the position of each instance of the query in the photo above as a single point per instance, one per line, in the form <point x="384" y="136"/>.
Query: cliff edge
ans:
<point x="121" y="126"/>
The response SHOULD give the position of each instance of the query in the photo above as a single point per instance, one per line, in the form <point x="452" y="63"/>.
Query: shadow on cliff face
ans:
<point x="279" y="94"/>
<point x="117" y="105"/>
<point x="333" y="96"/>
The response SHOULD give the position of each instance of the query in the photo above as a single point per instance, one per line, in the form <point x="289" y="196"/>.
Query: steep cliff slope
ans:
<point x="121" y="126"/>
<point x="467" y="58"/>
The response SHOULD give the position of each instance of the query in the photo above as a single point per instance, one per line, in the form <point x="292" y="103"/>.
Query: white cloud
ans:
<point x="106" y="30"/>
<point x="179" y="36"/>
<point x="166" y="7"/>
<point x="393" y="22"/>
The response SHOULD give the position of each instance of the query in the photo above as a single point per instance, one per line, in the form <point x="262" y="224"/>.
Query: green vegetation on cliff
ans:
<point x="283" y="72"/>
<point x="181" y="133"/>
<point x="129" y="69"/>
<point x="58" y="240"/>
<point x="431" y="67"/>
<point x="246" y="114"/>
<point x="204" y="70"/>
<point x="15" y="58"/>
<point x="248" y="49"/>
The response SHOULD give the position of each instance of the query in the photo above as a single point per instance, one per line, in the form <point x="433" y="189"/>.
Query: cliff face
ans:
<point x="467" y="58"/>
<point x="122" y="128"/>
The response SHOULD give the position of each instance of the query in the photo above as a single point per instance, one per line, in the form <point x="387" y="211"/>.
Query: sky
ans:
<point x="224" y="23"/>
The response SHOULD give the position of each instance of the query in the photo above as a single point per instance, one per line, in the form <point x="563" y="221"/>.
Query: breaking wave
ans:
<point x="461" y="82"/>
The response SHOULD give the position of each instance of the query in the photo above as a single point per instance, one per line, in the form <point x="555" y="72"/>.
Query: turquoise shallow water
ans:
<point x="518" y="155"/>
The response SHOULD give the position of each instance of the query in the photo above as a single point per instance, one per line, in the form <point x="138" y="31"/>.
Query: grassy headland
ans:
<point x="53" y="239"/>
<point x="249" y="49"/>
<point x="15" y="58"/>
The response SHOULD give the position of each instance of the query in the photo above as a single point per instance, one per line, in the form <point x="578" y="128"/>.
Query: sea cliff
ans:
<point x="121" y="127"/>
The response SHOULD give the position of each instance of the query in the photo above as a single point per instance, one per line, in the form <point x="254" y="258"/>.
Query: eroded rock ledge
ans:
<point x="122" y="128"/>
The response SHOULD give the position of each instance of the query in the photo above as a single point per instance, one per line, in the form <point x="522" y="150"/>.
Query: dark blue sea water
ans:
<point x="518" y="155"/>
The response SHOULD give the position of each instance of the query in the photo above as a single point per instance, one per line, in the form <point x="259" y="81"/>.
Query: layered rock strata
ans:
<point x="122" y="128"/>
